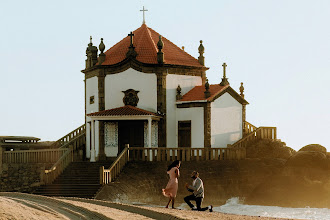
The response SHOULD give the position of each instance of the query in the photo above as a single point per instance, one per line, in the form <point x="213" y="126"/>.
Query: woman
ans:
<point x="172" y="185"/>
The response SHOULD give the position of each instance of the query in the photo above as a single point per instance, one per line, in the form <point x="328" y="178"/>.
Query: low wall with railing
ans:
<point x="167" y="154"/>
<point x="185" y="154"/>
<point x="33" y="156"/>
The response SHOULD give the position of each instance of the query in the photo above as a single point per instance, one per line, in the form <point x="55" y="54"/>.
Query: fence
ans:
<point x="33" y="156"/>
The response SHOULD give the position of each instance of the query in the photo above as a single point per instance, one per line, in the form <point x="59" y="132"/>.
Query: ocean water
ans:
<point x="234" y="206"/>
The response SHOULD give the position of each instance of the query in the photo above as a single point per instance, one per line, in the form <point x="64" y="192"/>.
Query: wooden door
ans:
<point x="184" y="134"/>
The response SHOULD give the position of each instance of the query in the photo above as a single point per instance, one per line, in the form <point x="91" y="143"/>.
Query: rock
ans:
<point x="268" y="149"/>
<point x="308" y="159"/>
<point x="290" y="191"/>
<point x="314" y="147"/>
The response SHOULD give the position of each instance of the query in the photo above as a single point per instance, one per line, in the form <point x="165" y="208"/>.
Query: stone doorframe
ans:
<point x="149" y="118"/>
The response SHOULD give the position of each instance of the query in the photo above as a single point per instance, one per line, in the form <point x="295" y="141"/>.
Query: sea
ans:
<point x="235" y="206"/>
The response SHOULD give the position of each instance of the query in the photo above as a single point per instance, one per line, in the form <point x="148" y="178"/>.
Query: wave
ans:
<point x="235" y="206"/>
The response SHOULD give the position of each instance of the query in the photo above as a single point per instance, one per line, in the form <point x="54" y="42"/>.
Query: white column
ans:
<point x="93" y="142"/>
<point x="149" y="132"/>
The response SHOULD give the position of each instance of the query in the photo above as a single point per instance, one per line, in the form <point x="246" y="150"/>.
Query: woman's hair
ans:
<point x="174" y="164"/>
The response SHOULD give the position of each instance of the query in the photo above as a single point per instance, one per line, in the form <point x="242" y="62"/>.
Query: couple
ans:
<point x="197" y="188"/>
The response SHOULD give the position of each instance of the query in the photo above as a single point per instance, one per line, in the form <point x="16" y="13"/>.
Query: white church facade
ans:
<point x="147" y="92"/>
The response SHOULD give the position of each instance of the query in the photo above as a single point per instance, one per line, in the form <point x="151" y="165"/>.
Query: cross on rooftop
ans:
<point x="224" y="69"/>
<point x="143" y="10"/>
<point x="131" y="35"/>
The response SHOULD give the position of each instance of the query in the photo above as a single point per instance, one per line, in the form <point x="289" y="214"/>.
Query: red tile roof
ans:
<point x="145" y="42"/>
<point x="197" y="93"/>
<point x="126" y="110"/>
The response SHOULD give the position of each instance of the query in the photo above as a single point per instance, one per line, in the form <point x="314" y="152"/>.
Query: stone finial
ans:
<point x="101" y="46"/>
<point x="131" y="49"/>
<point x="91" y="53"/>
<point x="224" y="81"/>
<point x="160" y="53"/>
<point x="178" y="93"/>
<point x="182" y="48"/>
<point x="201" y="58"/>
<point x="207" y="89"/>
<point x="102" y="55"/>
<point x="241" y="89"/>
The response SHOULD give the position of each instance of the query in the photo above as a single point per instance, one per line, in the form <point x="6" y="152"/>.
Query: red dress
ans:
<point x="172" y="185"/>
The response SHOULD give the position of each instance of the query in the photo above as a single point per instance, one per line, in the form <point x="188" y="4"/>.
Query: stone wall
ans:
<point x="21" y="177"/>
<point x="143" y="181"/>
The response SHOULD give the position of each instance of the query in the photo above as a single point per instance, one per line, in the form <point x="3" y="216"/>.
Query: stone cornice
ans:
<point x="143" y="67"/>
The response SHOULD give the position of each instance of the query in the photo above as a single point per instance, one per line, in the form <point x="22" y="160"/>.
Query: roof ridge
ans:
<point x="152" y="40"/>
<point x="174" y="45"/>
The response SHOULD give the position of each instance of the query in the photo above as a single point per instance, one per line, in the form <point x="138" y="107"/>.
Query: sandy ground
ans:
<point x="27" y="206"/>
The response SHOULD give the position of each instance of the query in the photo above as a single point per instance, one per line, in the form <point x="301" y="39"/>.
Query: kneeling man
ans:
<point x="197" y="188"/>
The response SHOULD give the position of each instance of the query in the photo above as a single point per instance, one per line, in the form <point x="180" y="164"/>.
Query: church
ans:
<point x="147" y="92"/>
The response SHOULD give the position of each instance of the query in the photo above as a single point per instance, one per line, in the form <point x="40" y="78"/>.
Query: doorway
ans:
<point x="130" y="132"/>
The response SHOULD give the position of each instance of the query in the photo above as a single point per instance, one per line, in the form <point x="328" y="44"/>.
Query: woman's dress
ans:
<point x="172" y="185"/>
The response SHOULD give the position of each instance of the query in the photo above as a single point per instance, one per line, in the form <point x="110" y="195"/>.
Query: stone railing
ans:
<point x="108" y="175"/>
<point x="167" y="154"/>
<point x="73" y="138"/>
<point x="258" y="134"/>
<point x="248" y="128"/>
<point x="33" y="156"/>
<point x="70" y="143"/>
<point x="51" y="174"/>
<point x="185" y="154"/>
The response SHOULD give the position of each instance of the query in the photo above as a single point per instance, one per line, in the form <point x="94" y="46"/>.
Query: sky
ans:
<point x="279" y="49"/>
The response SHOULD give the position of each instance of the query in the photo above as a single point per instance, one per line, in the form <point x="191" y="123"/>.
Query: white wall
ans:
<point x="196" y="116"/>
<point x="226" y="121"/>
<point x="91" y="90"/>
<point x="186" y="83"/>
<point x="146" y="83"/>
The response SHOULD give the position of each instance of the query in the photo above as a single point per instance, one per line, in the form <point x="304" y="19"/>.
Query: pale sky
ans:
<point x="280" y="49"/>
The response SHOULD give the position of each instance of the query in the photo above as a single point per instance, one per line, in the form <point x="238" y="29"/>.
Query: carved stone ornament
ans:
<point x="131" y="97"/>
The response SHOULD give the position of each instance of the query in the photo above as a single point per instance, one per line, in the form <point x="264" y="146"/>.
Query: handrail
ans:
<point x="52" y="173"/>
<point x="33" y="156"/>
<point x="70" y="142"/>
<point x="248" y="128"/>
<point x="73" y="135"/>
<point x="108" y="175"/>
<point x="259" y="133"/>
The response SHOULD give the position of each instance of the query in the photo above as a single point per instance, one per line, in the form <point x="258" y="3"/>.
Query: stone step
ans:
<point x="79" y="179"/>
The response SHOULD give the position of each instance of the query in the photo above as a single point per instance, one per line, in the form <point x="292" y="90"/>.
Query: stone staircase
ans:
<point x="79" y="179"/>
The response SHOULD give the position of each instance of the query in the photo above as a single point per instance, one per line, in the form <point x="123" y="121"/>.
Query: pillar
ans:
<point x="149" y="132"/>
<point x="93" y="141"/>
